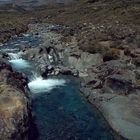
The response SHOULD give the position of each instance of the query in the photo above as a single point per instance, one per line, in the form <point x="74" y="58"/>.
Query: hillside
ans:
<point x="98" y="41"/>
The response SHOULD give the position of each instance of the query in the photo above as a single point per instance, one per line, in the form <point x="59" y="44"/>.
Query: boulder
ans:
<point x="14" y="105"/>
<point x="85" y="60"/>
<point x="45" y="71"/>
<point x="114" y="76"/>
<point x="14" y="114"/>
<point x="123" y="83"/>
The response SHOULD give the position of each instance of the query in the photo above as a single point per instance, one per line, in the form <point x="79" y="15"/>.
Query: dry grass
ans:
<point x="106" y="12"/>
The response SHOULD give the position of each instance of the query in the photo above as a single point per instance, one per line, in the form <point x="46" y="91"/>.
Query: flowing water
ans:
<point x="60" y="112"/>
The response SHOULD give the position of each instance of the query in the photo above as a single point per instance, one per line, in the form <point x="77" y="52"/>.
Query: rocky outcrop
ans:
<point x="115" y="92"/>
<point x="14" y="104"/>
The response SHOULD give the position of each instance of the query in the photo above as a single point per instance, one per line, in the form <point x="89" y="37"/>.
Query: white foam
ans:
<point x="40" y="85"/>
<point x="20" y="63"/>
<point x="50" y="58"/>
<point x="26" y="35"/>
<point x="9" y="50"/>
<point x="14" y="56"/>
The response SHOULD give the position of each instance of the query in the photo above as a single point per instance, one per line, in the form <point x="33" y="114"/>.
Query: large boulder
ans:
<point x="42" y="56"/>
<point x="14" y="105"/>
<point x="84" y="60"/>
<point x="116" y="76"/>
<point x="122" y="83"/>
<point x="14" y="114"/>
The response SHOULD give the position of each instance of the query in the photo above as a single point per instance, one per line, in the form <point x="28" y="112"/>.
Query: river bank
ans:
<point x="15" y="111"/>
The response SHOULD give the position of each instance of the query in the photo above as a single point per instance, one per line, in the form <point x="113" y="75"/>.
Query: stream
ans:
<point x="60" y="112"/>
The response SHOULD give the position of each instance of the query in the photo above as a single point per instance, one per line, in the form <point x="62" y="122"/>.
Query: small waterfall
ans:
<point x="17" y="62"/>
<point x="37" y="84"/>
<point x="20" y="63"/>
<point x="34" y="75"/>
<point x="14" y="56"/>
<point x="40" y="85"/>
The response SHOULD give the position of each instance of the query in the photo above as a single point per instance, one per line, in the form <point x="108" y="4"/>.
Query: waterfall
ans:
<point x="40" y="85"/>
<point x="34" y="75"/>
<point x="37" y="84"/>
<point x="14" y="56"/>
<point x="17" y="62"/>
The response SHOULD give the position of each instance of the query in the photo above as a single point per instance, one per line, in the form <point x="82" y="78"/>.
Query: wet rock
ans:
<point x="67" y="71"/>
<point x="85" y="91"/>
<point x="4" y="55"/>
<point x="47" y="70"/>
<point x="83" y="74"/>
<point x="42" y="56"/>
<point x="4" y="64"/>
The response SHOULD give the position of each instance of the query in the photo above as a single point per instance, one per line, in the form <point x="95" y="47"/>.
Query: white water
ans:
<point x="9" y="50"/>
<point x="50" y="58"/>
<point x="17" y="61"/>
<point x="40" y="85"/>
<point x="14" y="56"/>
<point x="20" y="63"/>
<point x="37" y="84"/>
<point x="26" y="35"/>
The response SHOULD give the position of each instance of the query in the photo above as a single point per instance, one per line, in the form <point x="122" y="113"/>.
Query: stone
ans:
<point x="14" y="104"/>
<point x="85" y="60"/>
<point x="120" y="83"/>
<point x="107" y="43"/>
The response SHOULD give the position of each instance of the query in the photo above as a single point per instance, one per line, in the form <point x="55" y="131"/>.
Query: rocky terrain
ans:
<point x="14" y="104"/>
<point x="97" y="41"/>
<point x="110" y="83"/>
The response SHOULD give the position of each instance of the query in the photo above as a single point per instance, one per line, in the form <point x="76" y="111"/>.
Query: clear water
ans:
<point x="63" y="114"/>
<point x="60" y="113"/>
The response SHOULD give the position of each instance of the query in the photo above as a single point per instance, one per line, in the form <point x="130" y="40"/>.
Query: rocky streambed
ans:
<point x="39" y="104"/>
<point x="111" y="86"/>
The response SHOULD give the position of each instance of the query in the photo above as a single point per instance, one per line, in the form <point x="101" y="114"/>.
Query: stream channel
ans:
<point x="60" y="112"/>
